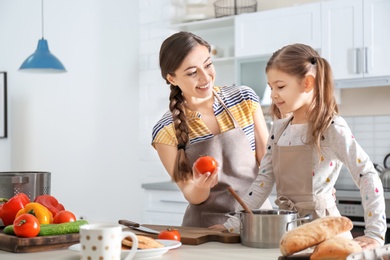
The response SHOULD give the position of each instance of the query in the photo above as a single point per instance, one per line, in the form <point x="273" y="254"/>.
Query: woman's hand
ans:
<point x="206" y="180"/>
<point x="367" y="242"/>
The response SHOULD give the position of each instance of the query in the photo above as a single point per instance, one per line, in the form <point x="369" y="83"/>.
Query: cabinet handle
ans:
<point x="366" y="60"/>
<point x="357" y="51"/>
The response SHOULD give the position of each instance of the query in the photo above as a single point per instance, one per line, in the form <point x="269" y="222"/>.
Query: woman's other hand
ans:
<point x="367" y="242"/>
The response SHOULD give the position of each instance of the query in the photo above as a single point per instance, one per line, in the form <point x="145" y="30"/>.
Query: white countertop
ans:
<point x="210" y="250"/>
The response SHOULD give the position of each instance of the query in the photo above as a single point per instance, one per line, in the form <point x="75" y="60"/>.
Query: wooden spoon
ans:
<point x="242" y="203"/>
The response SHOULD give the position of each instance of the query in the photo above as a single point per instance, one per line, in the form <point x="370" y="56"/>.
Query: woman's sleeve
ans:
<point x="164" y="135"/>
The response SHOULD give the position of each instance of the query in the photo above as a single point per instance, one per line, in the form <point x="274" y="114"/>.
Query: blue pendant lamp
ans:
<point x="42" y="61"/>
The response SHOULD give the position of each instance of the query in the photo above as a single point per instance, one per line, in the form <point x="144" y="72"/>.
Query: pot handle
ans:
<point x="306" y="217"/>
<point x="232" y="215"/>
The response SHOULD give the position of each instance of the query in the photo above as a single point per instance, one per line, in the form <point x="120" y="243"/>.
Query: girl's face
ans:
<point x="196" y="74"/>
<point x="289" y="93"/>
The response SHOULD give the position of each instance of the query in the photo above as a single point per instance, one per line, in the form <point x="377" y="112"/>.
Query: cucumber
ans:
<point x="62" y="229"/>
<point x="9" y="230"/>
<point x="53" y="229"/>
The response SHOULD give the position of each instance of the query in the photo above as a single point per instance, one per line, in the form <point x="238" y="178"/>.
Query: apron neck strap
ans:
<point x="280" y="132"/>
<point x="236" y="125"/>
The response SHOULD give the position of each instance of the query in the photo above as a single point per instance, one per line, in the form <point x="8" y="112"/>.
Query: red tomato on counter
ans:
<point x="64" y="216"/>
<point x="26" y="225"/>
<point x="206" y="164"/>
<point x="169" y="234"/>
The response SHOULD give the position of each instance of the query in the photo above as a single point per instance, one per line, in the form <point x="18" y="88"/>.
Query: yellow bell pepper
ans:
<point x="42" y="213"/>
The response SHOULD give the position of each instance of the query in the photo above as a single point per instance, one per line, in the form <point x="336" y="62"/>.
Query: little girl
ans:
<point x="308" y="145"/>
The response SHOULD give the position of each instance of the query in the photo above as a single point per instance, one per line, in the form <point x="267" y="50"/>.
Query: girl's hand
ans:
<point x="206" y="180"/>
<point x="367" y="242"/>
<point x="218" y="227"/>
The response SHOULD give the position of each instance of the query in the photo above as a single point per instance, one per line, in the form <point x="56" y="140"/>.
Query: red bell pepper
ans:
<point x="50" y="202"/>
<point x="11" y="207"/>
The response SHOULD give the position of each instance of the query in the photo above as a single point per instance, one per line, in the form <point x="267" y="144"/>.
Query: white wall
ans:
<point x="82" y="126"/>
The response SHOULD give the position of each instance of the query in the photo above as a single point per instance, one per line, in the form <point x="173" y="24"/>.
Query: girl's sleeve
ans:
<point x="366" y="178"/>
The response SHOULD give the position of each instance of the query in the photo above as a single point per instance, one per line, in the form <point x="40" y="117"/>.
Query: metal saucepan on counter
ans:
<point x="265" y="228"/>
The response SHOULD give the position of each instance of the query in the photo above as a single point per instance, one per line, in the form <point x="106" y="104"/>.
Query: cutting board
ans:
<point x="36" y="244"/>
<point x="194" y="236"/>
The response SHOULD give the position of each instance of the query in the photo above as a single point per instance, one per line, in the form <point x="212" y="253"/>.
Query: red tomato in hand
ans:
<point x="64" y="216"/>
<point x="169" y="234"/>
<point x="205" y="164"/>
<point x="26" y="225"/>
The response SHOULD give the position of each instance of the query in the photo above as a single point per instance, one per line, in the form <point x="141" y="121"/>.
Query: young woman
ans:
<point x="307" y="148"/>
<point x="226" y="123"/>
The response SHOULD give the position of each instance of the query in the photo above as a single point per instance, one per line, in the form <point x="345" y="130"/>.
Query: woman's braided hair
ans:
<point x="172" y="53"/>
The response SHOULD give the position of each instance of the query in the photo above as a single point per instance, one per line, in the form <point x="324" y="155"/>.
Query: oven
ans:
<point x="349" y="203"/>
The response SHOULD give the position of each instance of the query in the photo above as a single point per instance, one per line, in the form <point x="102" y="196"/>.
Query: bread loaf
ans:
<point x="337" y="248"/>
<point x="144" y="242"/>
<point x="313" y="233"/>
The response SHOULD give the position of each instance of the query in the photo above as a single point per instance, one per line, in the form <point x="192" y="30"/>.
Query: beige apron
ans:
<point x="293" y="170"/>
<point x="238" y="169"/>
<point x="293" y="166"/>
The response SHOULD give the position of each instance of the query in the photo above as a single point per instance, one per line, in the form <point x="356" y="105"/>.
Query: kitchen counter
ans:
<point x="167" y="185"/>
<point x="210" y="250"/>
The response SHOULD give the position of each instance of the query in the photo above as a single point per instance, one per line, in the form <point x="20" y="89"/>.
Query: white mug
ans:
<point x="104" y="241"/>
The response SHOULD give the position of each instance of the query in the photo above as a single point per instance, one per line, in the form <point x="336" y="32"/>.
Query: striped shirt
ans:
<point x="241" y="101"/>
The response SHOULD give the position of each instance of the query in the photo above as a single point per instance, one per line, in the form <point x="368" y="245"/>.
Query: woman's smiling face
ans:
<point x="195" y="76"/>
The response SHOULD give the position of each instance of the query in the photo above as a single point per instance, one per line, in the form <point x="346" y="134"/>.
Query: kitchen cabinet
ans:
<point x="165" y="204"/>
<point x="263" y="33"/>
<point x="248" y="40"/>
<point x="356" y="39"/>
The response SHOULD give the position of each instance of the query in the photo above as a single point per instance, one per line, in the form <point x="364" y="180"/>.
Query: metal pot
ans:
<point x="265" y="228"/>
<point x="384" y="172"/>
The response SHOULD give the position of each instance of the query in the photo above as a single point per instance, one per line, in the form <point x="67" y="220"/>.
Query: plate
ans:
<point x="143" y="253"/>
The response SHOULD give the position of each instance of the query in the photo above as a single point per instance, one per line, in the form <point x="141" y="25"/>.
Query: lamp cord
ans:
<point x="42" y="19"/>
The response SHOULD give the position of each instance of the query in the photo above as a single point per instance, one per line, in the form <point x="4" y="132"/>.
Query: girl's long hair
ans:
<point x="172" y="53"/>
<point x="298" y="60"/>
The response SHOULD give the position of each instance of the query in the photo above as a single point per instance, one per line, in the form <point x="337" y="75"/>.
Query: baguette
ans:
<point x="144" y="242"/>
<point x="337" y="248"/>
<point x="313" y="233"/>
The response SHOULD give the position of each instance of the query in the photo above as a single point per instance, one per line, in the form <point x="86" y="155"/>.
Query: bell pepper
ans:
<point x="11" y="207"/>
<point x="43" y="215"/>
<point x="50" y="202"/>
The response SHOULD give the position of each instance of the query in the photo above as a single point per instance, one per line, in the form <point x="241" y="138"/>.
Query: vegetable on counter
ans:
<point x="26" y="225"/>
<point x="53" y="229"/>
<point x="11" y="207"/>
<point x="50" y="202"/>
<point x="169" y="234"/>
<point x="43" y="215"/>
<point x="64" y="216"/>
<point x="62" y="229"/>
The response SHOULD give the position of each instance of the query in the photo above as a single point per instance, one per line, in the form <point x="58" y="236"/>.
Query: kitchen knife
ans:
<point x="137" y="226"/>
